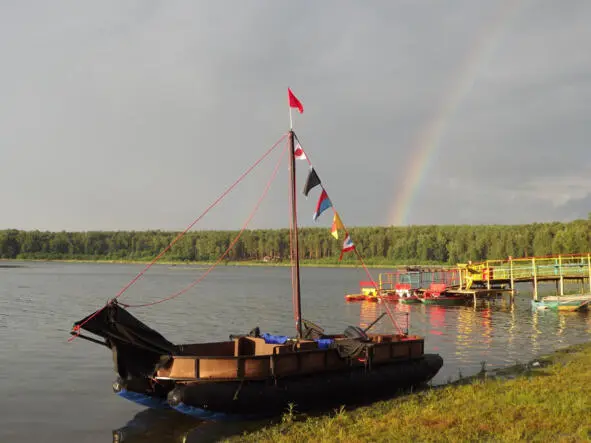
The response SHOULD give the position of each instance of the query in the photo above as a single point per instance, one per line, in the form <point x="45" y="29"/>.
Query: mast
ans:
<point x="294" y="243"/>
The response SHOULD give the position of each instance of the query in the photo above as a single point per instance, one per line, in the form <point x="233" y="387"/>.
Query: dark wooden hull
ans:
<point x="314" y="391"/>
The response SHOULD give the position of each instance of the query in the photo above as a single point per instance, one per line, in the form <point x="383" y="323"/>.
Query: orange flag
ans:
<point x="336" y="225"/>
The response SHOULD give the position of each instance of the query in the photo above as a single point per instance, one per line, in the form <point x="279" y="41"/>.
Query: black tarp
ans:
<point x="137" y="348"/>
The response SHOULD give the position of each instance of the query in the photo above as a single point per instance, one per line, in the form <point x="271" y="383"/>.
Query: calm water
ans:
<point x="52" y="390"/>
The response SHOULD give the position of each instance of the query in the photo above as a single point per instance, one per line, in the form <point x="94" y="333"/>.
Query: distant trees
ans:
<point x="416" y="244"/>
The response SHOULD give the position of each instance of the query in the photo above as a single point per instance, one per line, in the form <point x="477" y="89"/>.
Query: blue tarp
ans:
<point x="275" y="339"/>
<point x="323" y="343"/>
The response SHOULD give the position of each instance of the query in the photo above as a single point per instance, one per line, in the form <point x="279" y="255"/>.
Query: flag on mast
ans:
<point x="311" y="182"/>
<point x="323" y="204"/>
<point x="347" y="246"/>
<point x="294" y="102"/>
<point x="299" y="152"/>
<point x="336" y="225"/>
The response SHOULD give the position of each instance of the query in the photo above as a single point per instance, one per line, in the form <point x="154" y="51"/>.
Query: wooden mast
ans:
<point x="294" y="243"/>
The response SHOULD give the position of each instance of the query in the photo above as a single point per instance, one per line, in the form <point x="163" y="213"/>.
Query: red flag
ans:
<point x="294" y="102"/>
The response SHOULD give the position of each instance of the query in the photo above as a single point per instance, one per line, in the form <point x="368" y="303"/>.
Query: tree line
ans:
<point x="413" y="244"/>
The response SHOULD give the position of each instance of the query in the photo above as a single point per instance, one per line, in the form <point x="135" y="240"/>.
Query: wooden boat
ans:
<point x="437" y="294"/>
<point x="568" y="303"/>
<point x="255" y="374"/>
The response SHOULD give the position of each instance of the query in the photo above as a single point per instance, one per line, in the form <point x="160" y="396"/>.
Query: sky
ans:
<point x="134" y="115"/>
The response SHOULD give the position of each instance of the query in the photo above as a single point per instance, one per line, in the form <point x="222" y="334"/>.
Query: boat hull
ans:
<point x="445" y="301"/>
<point x="566" y="306"/>
<point x="231" y="399"/>
<point x="410" y="300"/>
<point x="141" y="392"/>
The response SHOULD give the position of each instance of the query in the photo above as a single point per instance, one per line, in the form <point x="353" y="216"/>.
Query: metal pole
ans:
<point x="535" y="280"/>
<point x="589" y="274"/>
<point x="511" y="274"/>
<point x="512" y="280"/>
<point x="561" y="274"/>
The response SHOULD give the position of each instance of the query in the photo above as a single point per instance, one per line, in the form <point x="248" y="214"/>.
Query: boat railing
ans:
<point x="284" y="360"/>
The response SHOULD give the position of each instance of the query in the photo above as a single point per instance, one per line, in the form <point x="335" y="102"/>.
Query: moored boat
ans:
<point x="368" y="290"/>
<point x="410" y="300"/>
<point x="446" y="300"/>
<point x="255" y="374"/>
<point x="568" y="303"/>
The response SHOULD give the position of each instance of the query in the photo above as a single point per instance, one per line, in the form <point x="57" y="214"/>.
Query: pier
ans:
<point x="560" y="268"/>
<point x="486" y="280"/>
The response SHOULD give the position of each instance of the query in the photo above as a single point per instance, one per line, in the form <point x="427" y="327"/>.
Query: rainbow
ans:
<point x="430" y="136"/>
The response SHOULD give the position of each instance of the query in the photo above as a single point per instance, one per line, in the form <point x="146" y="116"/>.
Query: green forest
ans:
<point x="378" y="245"/>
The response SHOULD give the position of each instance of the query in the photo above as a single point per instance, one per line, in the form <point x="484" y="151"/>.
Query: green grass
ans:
<point x="551" y="402"/>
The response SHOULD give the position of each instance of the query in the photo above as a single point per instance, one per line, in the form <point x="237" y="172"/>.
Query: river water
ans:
<point x="52" y="390"/>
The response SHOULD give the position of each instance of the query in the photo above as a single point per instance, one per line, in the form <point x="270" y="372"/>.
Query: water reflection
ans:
<point x="161" y="426"/>
<point x="370" y="311"/>
<point x="497" y="332"/>
<point x="156" y="426"/>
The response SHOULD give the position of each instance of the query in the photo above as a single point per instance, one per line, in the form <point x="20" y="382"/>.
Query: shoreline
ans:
<point x="546" y="399"/>
<point x="303" y="263"/>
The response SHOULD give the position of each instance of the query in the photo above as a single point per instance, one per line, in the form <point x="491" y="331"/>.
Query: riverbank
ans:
<point x="303" y="262"/>
<point x="546" y="400"/>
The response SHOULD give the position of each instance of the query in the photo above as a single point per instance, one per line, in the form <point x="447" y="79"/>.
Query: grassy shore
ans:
<point x="549" y="400"/>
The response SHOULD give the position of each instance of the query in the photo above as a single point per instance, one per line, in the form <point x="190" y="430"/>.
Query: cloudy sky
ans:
<point x="137" y="114"/>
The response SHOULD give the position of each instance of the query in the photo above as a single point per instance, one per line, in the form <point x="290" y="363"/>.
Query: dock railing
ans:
<point x="421" y="278"/>
<point x="557" y="268"/>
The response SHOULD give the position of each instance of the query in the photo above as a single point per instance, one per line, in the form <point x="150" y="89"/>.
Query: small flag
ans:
<point x="299" y="152"/>
<point x="347" y="246"/>
<point x="336" y="225"/>
<point x="323" y="204"/>
<point x="311" y="182"/>
<point x="294" y="102"/>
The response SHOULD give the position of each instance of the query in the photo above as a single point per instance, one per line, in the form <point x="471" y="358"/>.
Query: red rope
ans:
<point x="179" y="236"/>
<point x="234" y="241"/>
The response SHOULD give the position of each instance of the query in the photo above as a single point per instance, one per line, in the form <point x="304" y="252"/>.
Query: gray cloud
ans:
<point x="136" y="115"/>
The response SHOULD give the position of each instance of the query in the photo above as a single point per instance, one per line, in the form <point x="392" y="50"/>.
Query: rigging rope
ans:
<point x="369" y="276"/>
<point x="179" y="236"/>
<point x="219" y="260"/>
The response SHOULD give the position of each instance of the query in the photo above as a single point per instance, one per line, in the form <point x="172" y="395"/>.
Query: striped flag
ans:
<point x="323" y="204"/>
<point x="347" y="246"/>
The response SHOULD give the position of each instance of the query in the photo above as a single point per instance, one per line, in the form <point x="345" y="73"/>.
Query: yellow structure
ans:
<point x="556" y="268"/>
